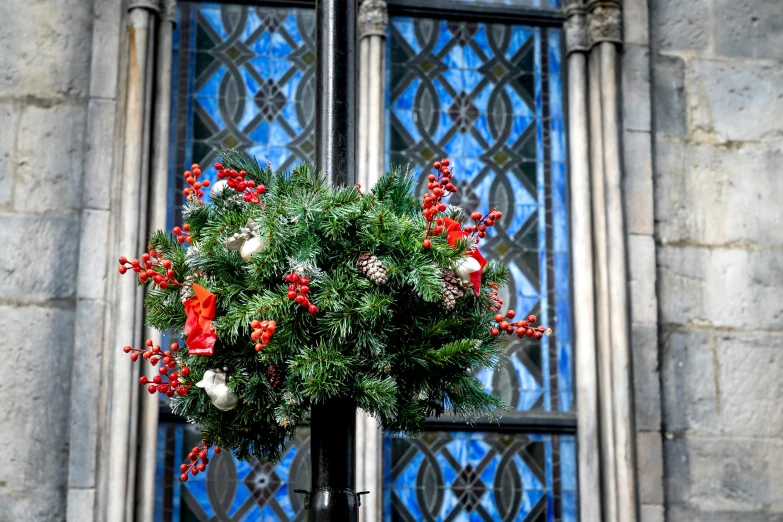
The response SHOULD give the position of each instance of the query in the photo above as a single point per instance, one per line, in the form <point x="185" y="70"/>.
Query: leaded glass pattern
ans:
<point x="489" y="97"/>
<point x="243" y="78"/>
<point x="479" y="476"/>
<point x="230" y="490"/>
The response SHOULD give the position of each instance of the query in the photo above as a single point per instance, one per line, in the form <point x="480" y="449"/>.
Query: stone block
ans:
<point x="81" y="504"/>
<point x="86" y="394"/>
<point x="46" y="46"/>
<point x="686" y="513"/>
<point x="36" y="254"/>
<point x="34" y="418"/>
<point x="9" y="115"/>
<point x="94" y="259"/>
<point x="726" y="287"/>
<point x="40" y="503"/>
<point x="734" y="101"/>
<point x="641" y="256"/>
<point x="669" y="96"/>
<point x="680" y="24"/>
<point x="651" y="513"/>
<point x="638" y="182"/>
<point x="717" y="196"/>
<point x="99" y="155"/>
<point x="50" y="153"/>
<point x="690" y="376"/>
<point x="106" y="33"/>
<point x="636" y="22"/>
<point x="636" y="87"/>
<point x="646" y="376"/>
<point x="749" y="29"/>
<point x="723" y="475"/>
<point x="649" y="458"/>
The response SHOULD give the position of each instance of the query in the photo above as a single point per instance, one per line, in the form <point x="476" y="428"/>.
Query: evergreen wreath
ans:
<point x="291" y="291"/>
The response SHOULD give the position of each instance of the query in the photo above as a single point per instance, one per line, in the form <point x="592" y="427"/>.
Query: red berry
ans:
<point x="503" y="325"/>
<point x="303" y="280"/>
<point x="185" y="372"/>
<point x="538" y="336"/>
<point x="177" y="231"/>
<point x="184" y="477"/>
<point x="202" y="467"/>
<point x="498" y="318"/>
<point x="510" y="314"/>
<point x="305" y="302"/>
<point x="495" y="332"/>
<point x="312" y="309"/>
<point x="143" y="380"/>
<point x="126" y="349"/>
<point x="426" y="243"/>
<point x="163" y="370"/>
<point x="217" y="450"/>
<point x="531" y="318"/>
<point x="152" y="388"/>
<point x="520" y="332"/>
<point x="431" y="177"/>
<point x="304" y="289"/>
<point x="259" y="347"/>
<point x="292" y="295"/>
<point x="134" y="357"/>
<point x="181" y="239"/>
<point x="294" y="277"/>
<point x="194" y="471"/>
<point x="530" y="332"/>
<point x="123" y="260"/>
<point x="299" y="299"/>
<point x="183" y="467"/>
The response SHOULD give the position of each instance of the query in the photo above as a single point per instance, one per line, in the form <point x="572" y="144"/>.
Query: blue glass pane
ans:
<point x="490" y="98"/>
<point x="230" y="489"/>
<point x="480" y="476"/>
<point x="243" y="78"/>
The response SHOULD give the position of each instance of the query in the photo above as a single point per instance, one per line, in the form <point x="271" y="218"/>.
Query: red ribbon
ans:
<point x="455" y="233"/>
<point x="201" y="310"/>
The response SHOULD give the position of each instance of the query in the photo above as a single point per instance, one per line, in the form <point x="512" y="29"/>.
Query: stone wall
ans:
<point x="57" y="133"/>
<point x="717" y="105"/>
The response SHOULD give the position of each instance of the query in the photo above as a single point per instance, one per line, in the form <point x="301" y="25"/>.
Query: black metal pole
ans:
<point x="333" y="495"/>
<point x="335" y="91"/>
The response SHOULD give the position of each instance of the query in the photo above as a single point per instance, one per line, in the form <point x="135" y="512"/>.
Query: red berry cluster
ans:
<point x="521" y="328"/>
<point x="298" y="290"/>
<point x="146" y="268"/>
<point x="262" y="333"/>
<point x="183" y="234"/>
<point x="236" y="180"/>
<point x="482" y="223"/>
<point x="153" y="354"/>
<point x="198" y="461"/>
<point x="195" y="189"/>
<point x="497" y="302"/>
<point x="439" y="185"/>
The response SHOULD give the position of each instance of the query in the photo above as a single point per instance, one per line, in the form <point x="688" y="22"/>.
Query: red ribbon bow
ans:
<point x="201" y="310"/>
<point x="455" y="233"/>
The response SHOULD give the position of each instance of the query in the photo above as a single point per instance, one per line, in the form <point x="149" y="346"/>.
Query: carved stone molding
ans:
<point x="605" y="22"/>
<point x="150" y="5"/>
<point x="575" y="28"/>
<point x="373" y="18"/>
<point x="168" y="11"/>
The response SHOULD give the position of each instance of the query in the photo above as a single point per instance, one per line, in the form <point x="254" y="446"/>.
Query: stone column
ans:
<point x="373" y="20"/>
<point x="589" y="464"/>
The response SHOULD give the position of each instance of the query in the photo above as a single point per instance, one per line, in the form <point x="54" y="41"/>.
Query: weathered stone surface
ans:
<point x="9" y="116"/>
<point x="641" y="256"/>
<point x="727" y="287"/>
<point x="680" y="24"/>
<point x="35" y="412"/>
<point x="718" y="196"/>
<point x="748" y="28"/>
<point x="636" y="22"/>
<point x="670" y="114"/>
<point x="93" y="255"/>
<point x="681" y="513"/>
<point x="647" y="388"/>
<point x="636" y="87"/>
<point x="98" y="156"/>
<point x="651" y="513"/>
<point x="106" y="37"/>
<point x="734" y="101"/>
<point x="33" y="254"/>
<point x="722" y="384"/>
<point x="50" y="45"/>
<point x="638" y="182"/>
<point x="649" y="457"/>
<point x="58" y="130"/>
<point x="86" y="393"/>
<point x="723" y="475"/>
<point x="81" y="504"/>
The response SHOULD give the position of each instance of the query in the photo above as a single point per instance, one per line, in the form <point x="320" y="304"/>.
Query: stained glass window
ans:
<point x="243" y="77"/>
<point x="480" y="476"/>
<point x="489" y="97"/>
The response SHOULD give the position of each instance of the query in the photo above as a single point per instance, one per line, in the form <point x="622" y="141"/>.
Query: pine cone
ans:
<point x="274" y="373"/>
<point x="451" y="290"/>
<point x="372" y="268"/>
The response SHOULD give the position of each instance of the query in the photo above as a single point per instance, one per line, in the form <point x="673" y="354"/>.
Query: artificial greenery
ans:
<point x="393" y="348"/>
